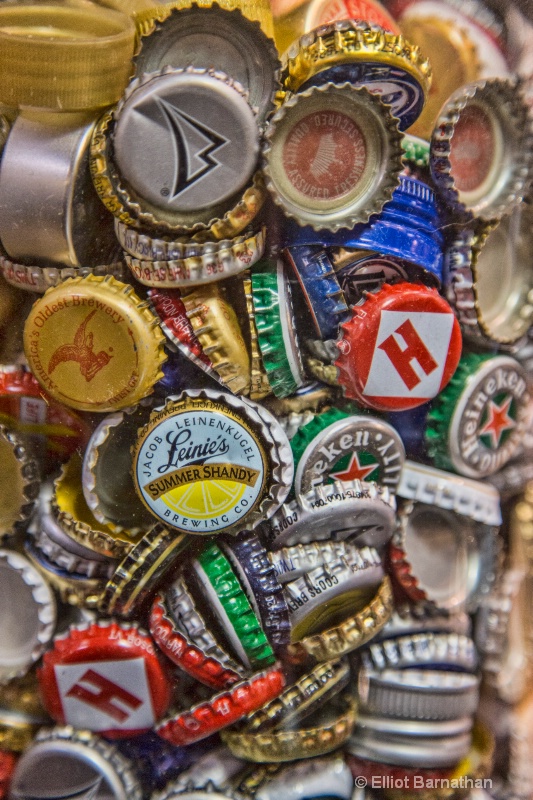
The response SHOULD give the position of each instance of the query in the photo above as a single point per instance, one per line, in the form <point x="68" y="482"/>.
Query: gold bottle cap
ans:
<point x="94" y="345"/>
<point x="325" y="731"/>
<point x="354" y="632"/>
<point x="332" y="156"/>
<point x="215" y="323"/>
<point x="142" y="570"/>
<point x="481" y="150"/>
<point x="19" y="481"/>
<point x="21" y="712"/>
<point x="71" y="511"/>
<point x="354" y="42"/>
<point x="63" y="57"/>
<point x="454" y="62"/>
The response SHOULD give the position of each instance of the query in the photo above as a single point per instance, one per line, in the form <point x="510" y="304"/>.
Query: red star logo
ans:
<point x="498" y="422"/>
<point x="355" y="471"/>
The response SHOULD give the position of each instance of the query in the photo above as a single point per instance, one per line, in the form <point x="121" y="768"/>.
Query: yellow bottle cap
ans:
<point x="454" y="62"/>
<point x="93" y="344"/>
<point x="64" y="57"/>
<point x="74" y="516"/>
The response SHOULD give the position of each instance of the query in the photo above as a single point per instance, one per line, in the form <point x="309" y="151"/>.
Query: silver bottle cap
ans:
<point x="49" y="210"/>
<point x="186" y="140"/>
<point x="64" y="763"/>
<point x="216" y="37"/>
<point x="28" y="610"/>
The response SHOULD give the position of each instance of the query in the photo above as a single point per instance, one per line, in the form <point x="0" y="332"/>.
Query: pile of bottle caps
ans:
<point x="266" y="435"/>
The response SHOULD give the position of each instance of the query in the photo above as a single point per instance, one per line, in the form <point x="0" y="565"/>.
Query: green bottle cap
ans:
<point x="476" y="423"/>
<point x="337" y="445"/>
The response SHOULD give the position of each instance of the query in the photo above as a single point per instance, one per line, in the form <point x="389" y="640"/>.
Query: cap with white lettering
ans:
<point x="107" y="678"/>
<point x="400" y="348"/>
<point x="476" y="425"/>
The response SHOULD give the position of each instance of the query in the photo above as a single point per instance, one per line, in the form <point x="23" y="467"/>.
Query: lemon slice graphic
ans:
<point x="204" y="499"/>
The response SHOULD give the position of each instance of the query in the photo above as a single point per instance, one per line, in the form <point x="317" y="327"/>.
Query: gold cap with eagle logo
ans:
<point x="93" y="344"/>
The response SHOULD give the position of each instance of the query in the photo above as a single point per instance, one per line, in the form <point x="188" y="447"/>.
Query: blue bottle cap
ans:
<point x="321" y="289"/>
<point x="408" y="227"/>
<point x="411" y="425"/>
<point x="396" y="87"/>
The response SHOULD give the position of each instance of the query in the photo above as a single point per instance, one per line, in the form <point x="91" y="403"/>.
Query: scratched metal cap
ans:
<point x="185" y="140"/>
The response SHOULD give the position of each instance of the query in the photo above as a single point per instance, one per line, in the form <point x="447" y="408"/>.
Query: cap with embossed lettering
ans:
<point x="93" y="344"/>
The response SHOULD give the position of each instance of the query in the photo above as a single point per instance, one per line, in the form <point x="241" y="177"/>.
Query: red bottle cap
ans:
<point x="400" y="348"/>
<point x="26" y="408"/>
<point x="107" y="678"/>
<point x="177" y="327"/>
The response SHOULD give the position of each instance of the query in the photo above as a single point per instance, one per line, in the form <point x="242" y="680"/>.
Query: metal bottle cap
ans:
<point x="332" y="592"/>
<point x="364" y="55"/>
<point x="437" y="752"/>
<point x="28" y="615"/>
<point x="49" y="209"/>
<point x="215" y="323"/>
<point x="479" y="263"/>
<point x="389" y="377"/>
<point x="333" y="156"/>
<point x="453" y="59"/>
<point x="363" y="512"/>
<point x="62" y="56"/>
<point x="246" y="469"/>
<point x="213" y="36"/>
<point x="346" y="447"/>
<point x="19" y="477"/>
<point x="93" y="344"/>
<point x="475" y="17"/>
<point x="474" y="499"/>
<point x="481" y="149"/>
<point x="443" y="558"/>
<point x="106" y="480"/>
<point x="63" y="762"/>
<point x="185" y="140"/>
<point x="408" y="227"/>
<point x="476" y="424"/>
<point x="418" y="694"/>
<point x="105" y="677"/>
<point x="52" y="430"/>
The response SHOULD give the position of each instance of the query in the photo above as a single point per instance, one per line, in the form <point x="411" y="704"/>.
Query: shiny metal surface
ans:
<point x="49" y="211"/>
<point x="186" y="140"/>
